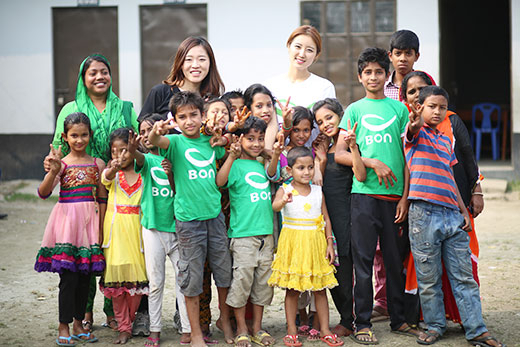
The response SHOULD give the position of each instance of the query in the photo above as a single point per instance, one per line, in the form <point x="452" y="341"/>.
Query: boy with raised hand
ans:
<point x="438" y="222"/>
<point x="199" y="222"/>
<point x="404" y="52"/>
<point x="251" y="227"/>
<point x="377" y="209"/>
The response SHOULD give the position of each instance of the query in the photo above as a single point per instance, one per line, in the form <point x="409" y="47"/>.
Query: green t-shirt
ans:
<point x="250" y="198"/>
<point x="381" y="125"/>
<point x="157" y="198"/>
<point x="194" y="169"/>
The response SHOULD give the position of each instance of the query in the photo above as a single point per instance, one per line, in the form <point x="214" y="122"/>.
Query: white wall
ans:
<point x="422" y="17"/>
<point x="515" y="65"/>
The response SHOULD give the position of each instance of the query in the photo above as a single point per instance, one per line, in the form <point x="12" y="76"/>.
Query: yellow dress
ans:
<point x="300" y="262"/>
<point x="122" y="239"/>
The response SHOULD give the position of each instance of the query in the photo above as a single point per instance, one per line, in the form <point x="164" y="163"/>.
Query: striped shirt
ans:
<point x="430" y="156"/>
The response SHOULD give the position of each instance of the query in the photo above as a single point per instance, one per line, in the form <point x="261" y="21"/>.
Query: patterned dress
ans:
<point x="71" y="238"/>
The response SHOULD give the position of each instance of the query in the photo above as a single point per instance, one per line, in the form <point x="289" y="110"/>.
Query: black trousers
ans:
<point x="342" y="294"/>
<point x="73" y="295"/>
<point x="372" y="219"/>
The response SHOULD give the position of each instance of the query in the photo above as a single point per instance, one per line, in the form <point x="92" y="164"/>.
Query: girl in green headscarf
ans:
<point x="95" y="98"/>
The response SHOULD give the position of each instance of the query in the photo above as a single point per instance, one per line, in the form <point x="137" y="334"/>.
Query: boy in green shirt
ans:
<point x="377" y="209"/>
<point x="199" y="222"/>
<point x="251" y="227"/>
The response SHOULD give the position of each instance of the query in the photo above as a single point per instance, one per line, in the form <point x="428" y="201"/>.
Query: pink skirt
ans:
<point x="71" y="240"/>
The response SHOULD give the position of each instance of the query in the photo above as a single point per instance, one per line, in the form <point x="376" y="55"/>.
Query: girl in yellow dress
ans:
<point x="305" y="248"/>
<point x="124" y="279"/>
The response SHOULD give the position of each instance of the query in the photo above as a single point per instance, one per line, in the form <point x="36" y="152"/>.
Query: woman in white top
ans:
<point x="299" y="84"/>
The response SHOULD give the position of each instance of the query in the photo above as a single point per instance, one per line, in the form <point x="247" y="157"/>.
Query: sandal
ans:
<point x="152" y="342"/>
<point x="332" y="340"/>
<point x="304" y="330"/>
<point x="88" y="338"/>
<point x="208" y="339"/>
<point x="407" y="331"/>
<point x="242" y="340"/>
<point x="483" y="341"/>
<point x="69" y="339"/>
<point x="429" y="334"/>
<point x="314" y="335"/>
<point x="259" y="337"/>
<point x="112" y="324"/>
<point x="369" y="333"/>
<point x="292" y="341"/>
<point x="87" y="325"/>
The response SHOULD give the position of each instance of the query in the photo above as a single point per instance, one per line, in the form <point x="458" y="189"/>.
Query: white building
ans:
<point x="43" y="42"/>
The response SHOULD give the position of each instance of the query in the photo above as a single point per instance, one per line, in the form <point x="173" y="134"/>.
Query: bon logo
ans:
<point x="194" y="174"/>
<point x="258" y="185"/>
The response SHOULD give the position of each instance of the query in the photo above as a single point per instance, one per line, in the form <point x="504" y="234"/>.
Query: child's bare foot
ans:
<point x="185" y="338"/>
<point x="122" y="338"/>
<point x="198" y="341"/>
<point x="225" y="326"/>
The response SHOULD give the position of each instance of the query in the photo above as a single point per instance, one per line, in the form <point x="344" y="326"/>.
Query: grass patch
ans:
<point x="513" y="186"/>
<point x="21" y="197"/>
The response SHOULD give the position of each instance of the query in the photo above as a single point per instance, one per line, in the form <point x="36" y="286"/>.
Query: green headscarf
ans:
<point x="117" y="114"/>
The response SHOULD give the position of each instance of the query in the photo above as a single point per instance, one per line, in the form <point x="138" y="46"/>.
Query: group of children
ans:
<point x="375" y="162"/>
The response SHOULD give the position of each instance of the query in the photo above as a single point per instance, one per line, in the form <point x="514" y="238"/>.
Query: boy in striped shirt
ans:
<point x="438" y="223"/>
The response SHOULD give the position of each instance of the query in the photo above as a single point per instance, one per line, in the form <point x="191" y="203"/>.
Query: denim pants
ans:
<point x="436" y="235"/>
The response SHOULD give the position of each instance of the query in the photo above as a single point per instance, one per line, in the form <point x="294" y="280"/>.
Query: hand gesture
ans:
<point x="287" y="197"/>
<point x="114" y="165"/>
<point x="235" y="149"/>
<point x="384" y="173"/>
<point x="279" y="144"/>
<point x="167" y="166"/>
<point x="287" y="112"/>
<point x="217" y="139"/>
<point x="162" y="127"/>
<point x="321" y="146"/>
<point x="415" y="116"/>
<point x="133" y="142"/>
<point x="52" y="162"/>
<point x="350" y="136"/>
<point x="239" y="120"/>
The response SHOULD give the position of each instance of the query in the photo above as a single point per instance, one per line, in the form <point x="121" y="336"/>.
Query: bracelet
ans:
<point x="287" y="129"/>
<point x="227" y="141"/>
<point x="330" y="237"/>
<point x="477" y="193"/>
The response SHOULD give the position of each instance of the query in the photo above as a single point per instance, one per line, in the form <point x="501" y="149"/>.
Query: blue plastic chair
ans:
<point x="486" y="126"/>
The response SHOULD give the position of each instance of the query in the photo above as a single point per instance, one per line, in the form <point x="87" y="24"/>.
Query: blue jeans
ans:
<point x="436" y="235"/>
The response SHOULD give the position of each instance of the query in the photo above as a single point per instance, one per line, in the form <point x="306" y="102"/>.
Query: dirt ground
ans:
<point x="28" y="303"/>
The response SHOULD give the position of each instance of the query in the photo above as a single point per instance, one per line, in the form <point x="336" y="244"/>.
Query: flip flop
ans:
<point x="482" y="341"/>
<point x="369" y="333"/>
<point x="292" y="341"/>
<point x="63" y="343"/>
<point x="242" y="338"/>
<point x="435" y="335"/>
<point x="406" y="332"/>
<point x="314" y="335"/>
<point x="304" y="330"/>
<point x="332" y="340"/>
<point x="152" y="342"/>
<point x="259" y="337"/>
<point x="209" y="340"/>
<point x="87" y="335"/>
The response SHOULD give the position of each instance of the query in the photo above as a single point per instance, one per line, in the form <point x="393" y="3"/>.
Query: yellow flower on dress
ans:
<point x="295" y="193"/>
<point x="307" y="207"/>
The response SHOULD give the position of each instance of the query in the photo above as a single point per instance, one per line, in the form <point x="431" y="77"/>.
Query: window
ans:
<point x="347" y="27"/>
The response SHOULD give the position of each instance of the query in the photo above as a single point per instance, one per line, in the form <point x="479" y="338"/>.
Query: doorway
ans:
<point x="163" y="28"/>
<point x="475" y="60"/>
<point x="77" y="33"/>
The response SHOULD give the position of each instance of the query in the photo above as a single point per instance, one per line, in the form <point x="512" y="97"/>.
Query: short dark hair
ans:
<point x="404" y="40"/>
<point x="404" y="85"/>
<point x="151" y="118"/>
<point x="254" y="89"/>
<point x="252" y="123"/>
<point x="330" y="104"/>
<point x="432" y="90"/>
<point x="234" y="94"/>
<point x="301" y="113"/>
<point x="76" y="118"/>
<point x="214" y="100"/>
<point x="186" y="98"/>
<point x="119" y="134"/>
<point x="373" y="55"/>
<point x="297" y="152"/>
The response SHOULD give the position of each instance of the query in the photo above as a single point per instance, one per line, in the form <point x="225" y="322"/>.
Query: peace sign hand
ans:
<point x="278" y="146"/>
<point x="235" y="150"/>
<point x="241" y="117"/>
<point x="287" y="112"/>
<point x="52" y="162"/>
<point x="416" y="121"/>
<point x="350" y="136"/>
<point x="133" y="142"/>
<point x="162" y="127"/>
